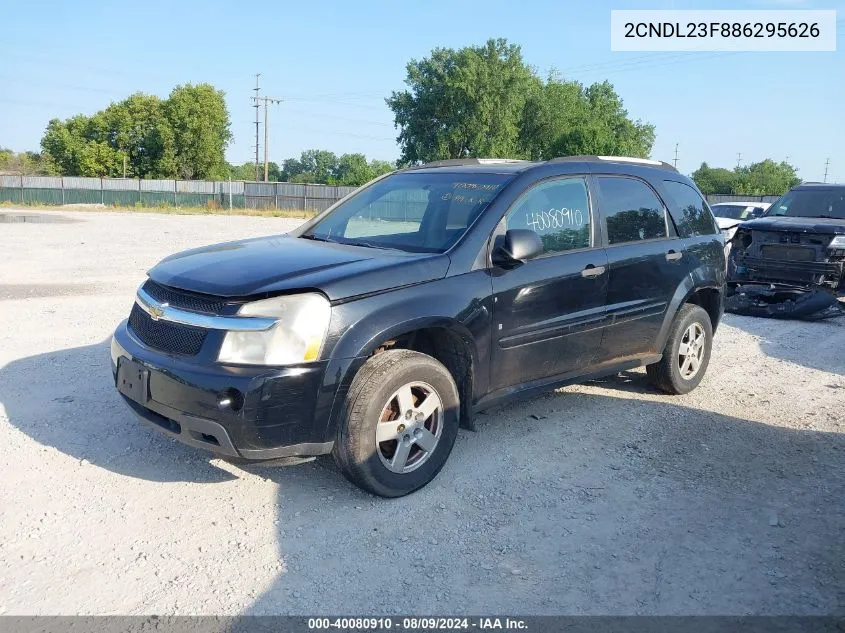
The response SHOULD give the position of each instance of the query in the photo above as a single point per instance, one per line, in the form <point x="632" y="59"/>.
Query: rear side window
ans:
<point x="631" y="209"/>
<point x="691" y="213"/>
<point x="558" y="211"/>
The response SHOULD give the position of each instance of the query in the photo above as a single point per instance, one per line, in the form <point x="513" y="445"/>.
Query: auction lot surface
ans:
<point x="607" y="498"/>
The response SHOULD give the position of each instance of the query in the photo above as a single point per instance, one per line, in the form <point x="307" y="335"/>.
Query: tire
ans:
<point x="373" y="408"/>
<point x="669" y="374"/>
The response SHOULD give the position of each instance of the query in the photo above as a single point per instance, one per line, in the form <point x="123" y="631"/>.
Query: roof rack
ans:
<point x="453" y="162"/>
<point x="616" y="159"/>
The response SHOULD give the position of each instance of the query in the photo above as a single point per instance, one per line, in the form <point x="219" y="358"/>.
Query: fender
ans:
<point x="460" y="304"/>
<point x="682" y="294"/>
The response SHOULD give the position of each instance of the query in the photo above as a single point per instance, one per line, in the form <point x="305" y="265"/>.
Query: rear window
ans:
<point x="691" y="212"/>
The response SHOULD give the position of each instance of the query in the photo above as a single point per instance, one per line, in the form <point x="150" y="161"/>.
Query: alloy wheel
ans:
<point x="409" y="427"/>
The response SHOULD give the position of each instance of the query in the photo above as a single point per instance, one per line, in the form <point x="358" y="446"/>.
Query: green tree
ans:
<point x="758" y="179"/>
<point x="353" y="170"/>
<point x="247" y="172"/>
<point x="563" y="118"/>
<point x="184" y="136"/>
<point x="201" y="130"/>
<point x="765" y="178"/>
<point x="465" y="102"/>
<point x="25" y="163"/>
<point x="714" y="180"/>
<point x="138" y="129"/>
<point x="381" y="167"/>
<point x="485" y="101"/>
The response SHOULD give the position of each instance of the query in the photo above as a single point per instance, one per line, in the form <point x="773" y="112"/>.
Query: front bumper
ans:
<point x="254" y="413"/>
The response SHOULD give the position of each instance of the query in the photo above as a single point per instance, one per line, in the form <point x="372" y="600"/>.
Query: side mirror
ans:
<point x="755" y="213"/>
<point x="517" y="246"/>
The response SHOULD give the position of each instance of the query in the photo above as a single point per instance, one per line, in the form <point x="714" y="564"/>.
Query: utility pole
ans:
<point x="257" y="123"/>
<point x="266" y="100"/>
<point x="738" y="159"/>
<point x="676" y="156"/>
<point x="826" y="165"/>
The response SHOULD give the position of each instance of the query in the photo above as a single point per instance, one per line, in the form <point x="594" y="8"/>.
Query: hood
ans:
<point x="827" y="226"/>
<point x="270" y="265"/>
<point x="727" y="223"/>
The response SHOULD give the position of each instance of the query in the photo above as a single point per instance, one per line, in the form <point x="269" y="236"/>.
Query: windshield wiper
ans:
<point x="374" y="245"/>
<point x="317" y="238"/>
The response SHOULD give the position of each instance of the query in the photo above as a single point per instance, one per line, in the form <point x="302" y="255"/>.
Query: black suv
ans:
<point x="799" y="241"/>
<point x="374" y="330"/>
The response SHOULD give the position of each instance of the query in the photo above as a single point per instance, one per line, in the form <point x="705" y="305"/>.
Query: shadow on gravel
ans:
<point x="582" y="504"/>
<point x="631" y="381"/>
<point x="565" y="503"/>
<point x="66" y="401"/>
<point x="804" y="343"/>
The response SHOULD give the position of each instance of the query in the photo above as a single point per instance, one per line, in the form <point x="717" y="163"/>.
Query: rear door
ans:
<point x="548" y="313"/>
<point x="646" y="264"/>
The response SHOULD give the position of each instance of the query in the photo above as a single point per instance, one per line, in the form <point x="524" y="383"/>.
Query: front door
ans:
<point x="548" y="313"/>
<point x="647" y="263"/>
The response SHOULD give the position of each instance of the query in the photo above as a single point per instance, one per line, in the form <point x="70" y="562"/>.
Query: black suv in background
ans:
<point x="374" y="330"/>
<point x="798" y="242"/>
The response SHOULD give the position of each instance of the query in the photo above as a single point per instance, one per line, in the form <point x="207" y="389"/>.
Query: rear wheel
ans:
<point x="399" y="424"/>
<point x="687" y="352"/>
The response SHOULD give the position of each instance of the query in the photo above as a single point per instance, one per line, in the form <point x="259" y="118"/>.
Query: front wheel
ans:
<point x="399" y="423"/>
<point x="687" y="352"/>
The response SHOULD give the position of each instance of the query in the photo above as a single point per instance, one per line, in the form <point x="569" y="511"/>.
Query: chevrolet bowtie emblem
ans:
<point x="157" y="312"/>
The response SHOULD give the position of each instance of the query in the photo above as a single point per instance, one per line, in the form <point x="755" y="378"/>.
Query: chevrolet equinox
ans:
<point x="375" y="330"/>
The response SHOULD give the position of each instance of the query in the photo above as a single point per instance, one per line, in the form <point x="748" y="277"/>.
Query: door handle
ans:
<point x="592" y="271"/>
<point x="673" y="256"/>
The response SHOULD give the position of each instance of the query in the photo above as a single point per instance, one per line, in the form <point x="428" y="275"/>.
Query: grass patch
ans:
<point x="170" y="210"/>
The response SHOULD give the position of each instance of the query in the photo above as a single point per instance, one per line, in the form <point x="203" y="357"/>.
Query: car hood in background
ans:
<point x="269" y="265"/>
<point x="727" y="223"/>
<point x="829" y="226"/>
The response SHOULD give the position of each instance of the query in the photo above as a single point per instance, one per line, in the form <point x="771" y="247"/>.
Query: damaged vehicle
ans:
<point x="790" y="263"/>
<point x="373" y="331"/>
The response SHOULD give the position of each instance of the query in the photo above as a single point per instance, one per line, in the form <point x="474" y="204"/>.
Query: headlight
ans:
<point x="837" y="242"/>
<point x="296" y="337"/>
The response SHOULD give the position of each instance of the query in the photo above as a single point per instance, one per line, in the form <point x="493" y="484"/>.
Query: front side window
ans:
<point x="415" y="212"/>
<point x="558" y="211"/>
<point x="695" y="218"/>
<point x="631" y="209"/>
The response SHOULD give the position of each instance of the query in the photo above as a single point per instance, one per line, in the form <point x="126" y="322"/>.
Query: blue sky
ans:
<point x="334" y="63"/>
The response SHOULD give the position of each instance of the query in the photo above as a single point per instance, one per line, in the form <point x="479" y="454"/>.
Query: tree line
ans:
<point x="143" y="136"/>
<point x="487" y="101"/>
<point x="320" y="167"/>
<point x="757" y="179"/>
<point x="476" y="101"/>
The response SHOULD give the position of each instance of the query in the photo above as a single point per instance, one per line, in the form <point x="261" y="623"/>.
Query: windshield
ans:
<point x="417" y="212"/>
<point x="731" y="211"/>
<point x="811" y="203"/>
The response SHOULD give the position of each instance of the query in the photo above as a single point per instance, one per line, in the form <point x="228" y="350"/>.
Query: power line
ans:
<point x="676" y="156"/>
<point x="826" y="165"/>
<point x="738" y="159"/>
<point x="338" y="118"/>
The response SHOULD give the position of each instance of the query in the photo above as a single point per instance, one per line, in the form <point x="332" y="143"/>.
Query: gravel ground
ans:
<point x="606" y="498"/>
